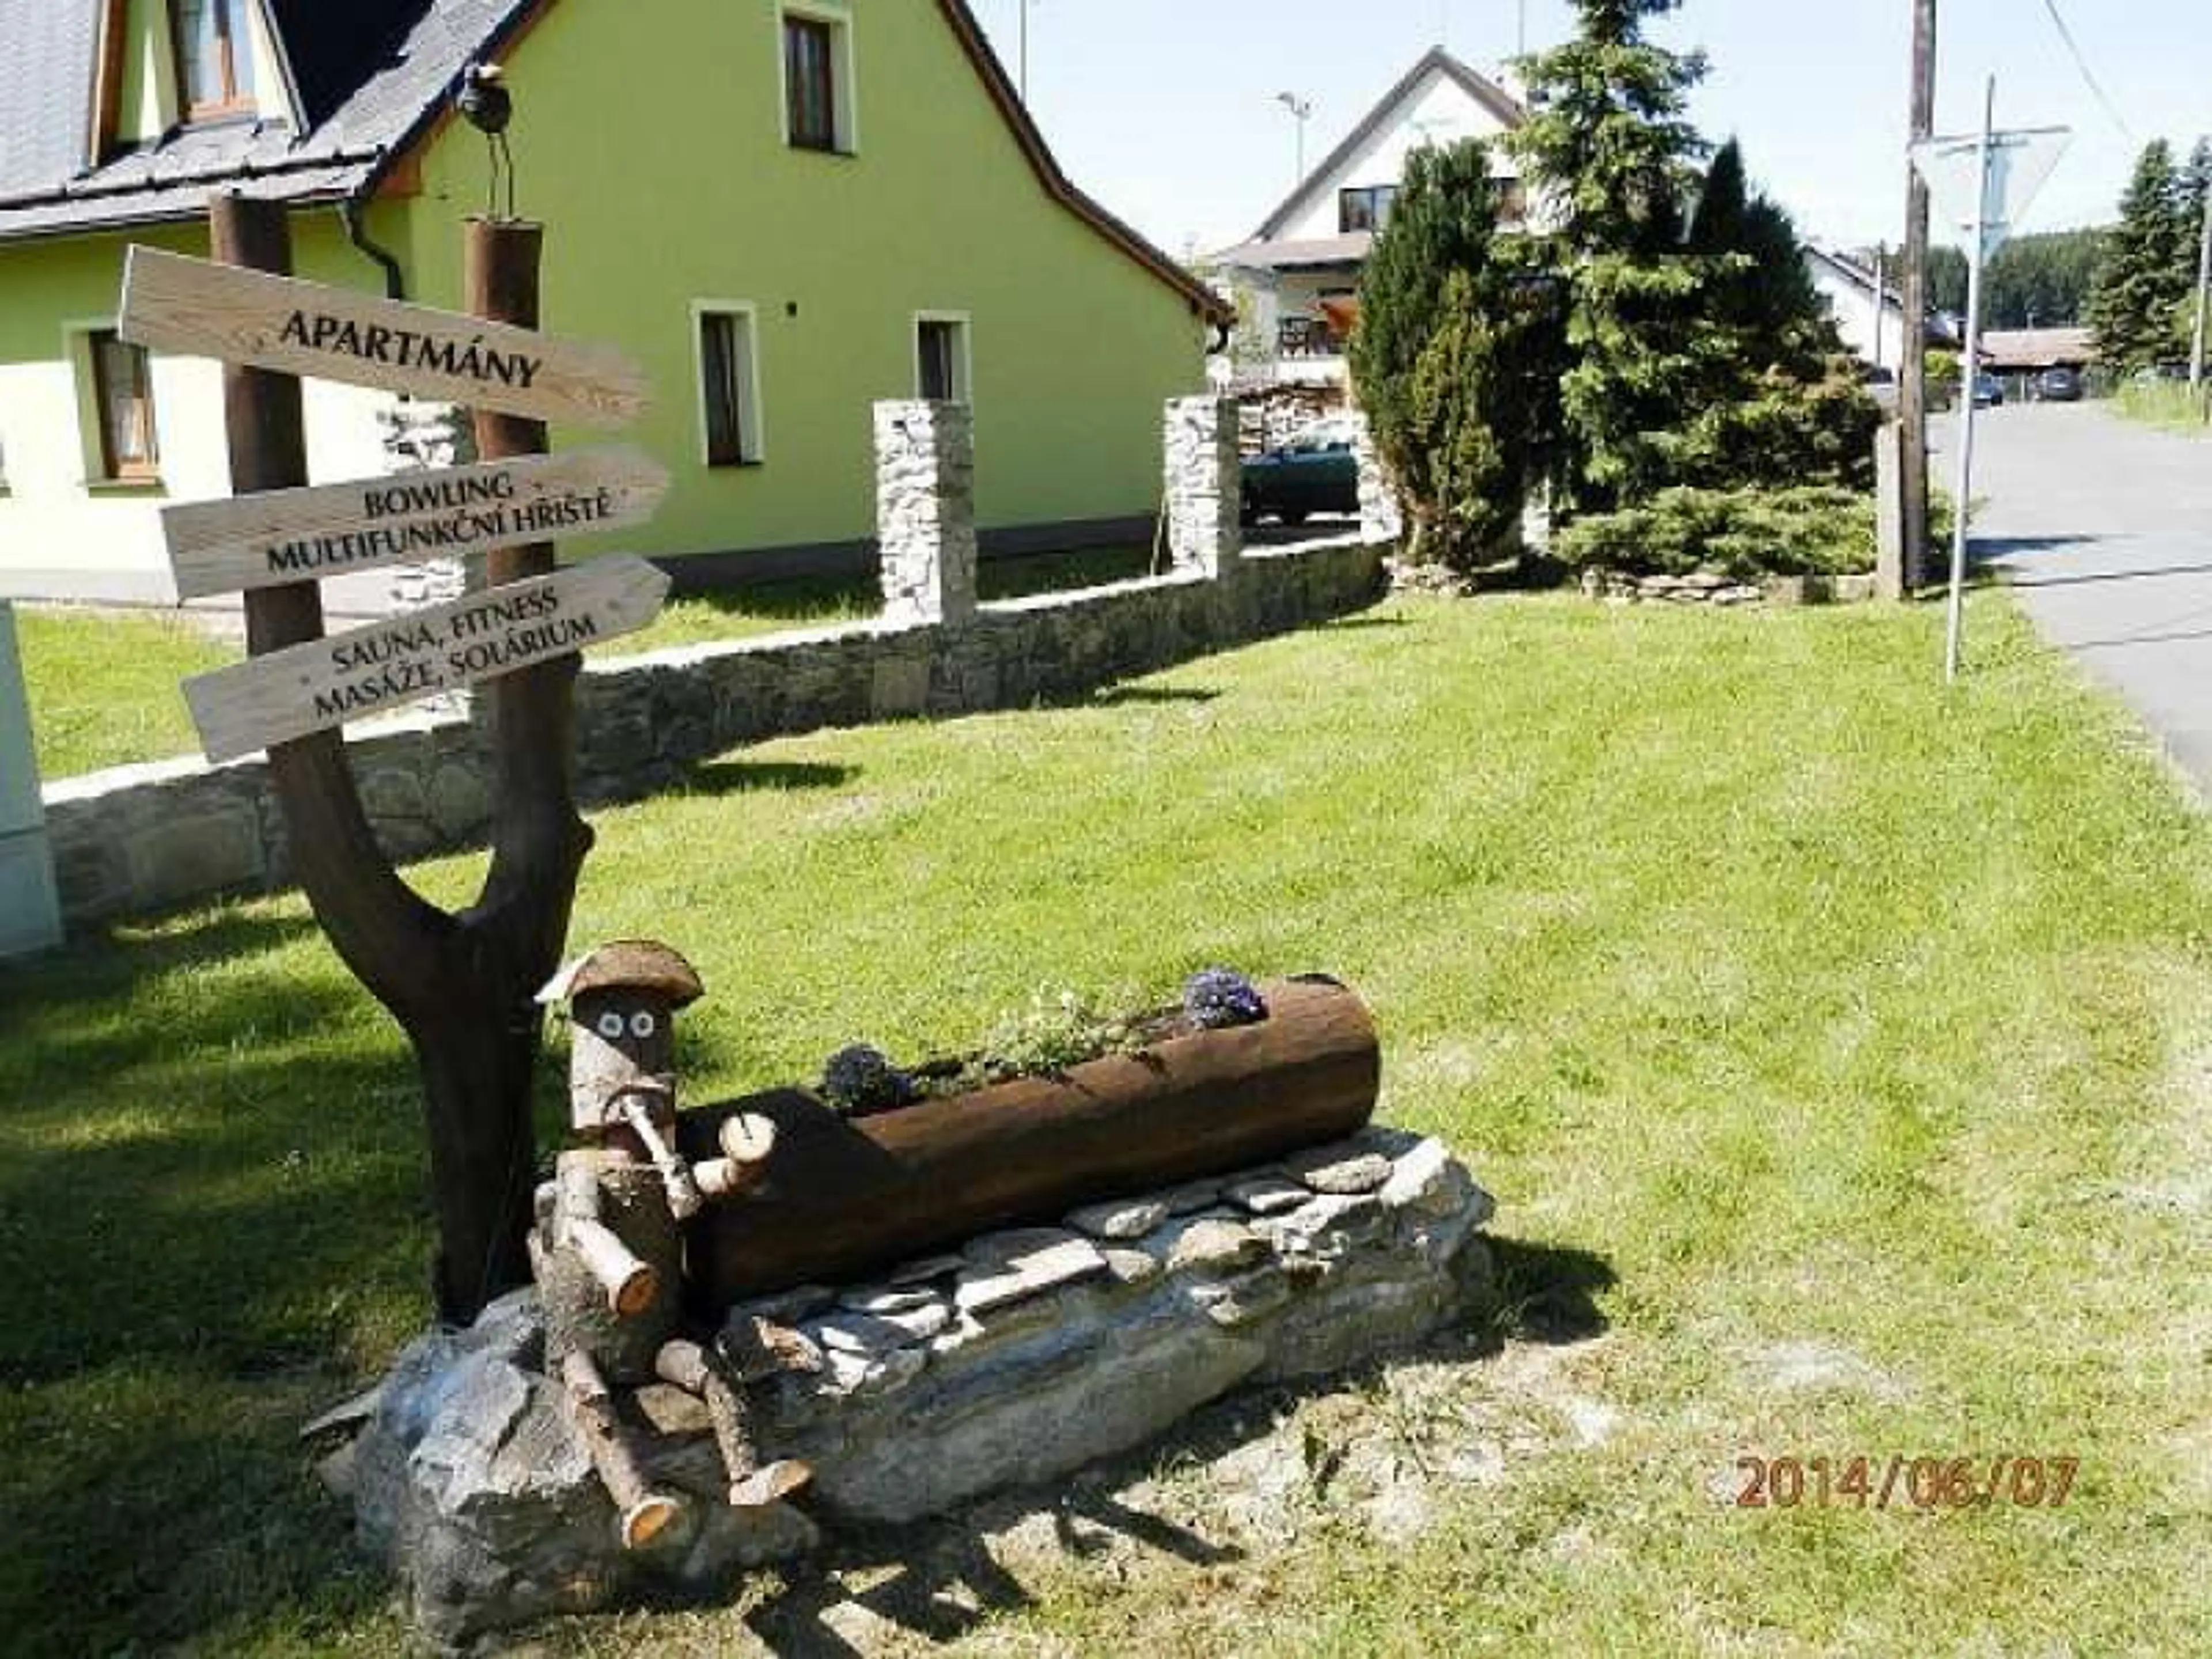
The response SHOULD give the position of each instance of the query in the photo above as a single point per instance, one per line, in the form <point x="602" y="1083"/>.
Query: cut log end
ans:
<point x="785" y="1477"/>
<point x="747" y="1138"/>
<point x="647" y="1519"/>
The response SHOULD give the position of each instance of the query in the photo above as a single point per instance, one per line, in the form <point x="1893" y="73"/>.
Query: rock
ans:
<point x="1132" y="1266"/>
<point x="865" y="1334"/>
<point x="789" y="1307"/>
<point x="922" y="1272"/>
<point x="1127" y="1219"/>
<point x="1214" y="1246"/>
<point x="886" y="1299"/>
<point x="1326" y="1226"/>
<point x="1269" y="1195"/>
<point x="1046" y="1261"/>
<point x="1430" y="1180"/>
<point x="1340" y="1170"/>
<point x="1191" y="1197"/>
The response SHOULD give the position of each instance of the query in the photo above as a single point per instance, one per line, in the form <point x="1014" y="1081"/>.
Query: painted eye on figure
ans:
<point x="611" y="1026"/>
<point x="643" y="1025"/>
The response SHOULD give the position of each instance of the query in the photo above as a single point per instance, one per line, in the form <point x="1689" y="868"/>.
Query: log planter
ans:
<point x="844" y="1197"/>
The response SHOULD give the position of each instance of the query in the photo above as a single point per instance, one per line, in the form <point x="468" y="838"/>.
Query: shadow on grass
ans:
<point x="1548" y="1292"/>
<point x="735" y="777"/>
<point x="1146" y="696"/>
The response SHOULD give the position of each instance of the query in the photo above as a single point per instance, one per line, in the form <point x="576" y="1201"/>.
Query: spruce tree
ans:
<point x="1610" y="158"/>
<point x="2148" y="269"/>
<point x="1451" y="360"/>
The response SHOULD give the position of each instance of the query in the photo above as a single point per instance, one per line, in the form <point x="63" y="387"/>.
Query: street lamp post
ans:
<point x="1301" y="111"/>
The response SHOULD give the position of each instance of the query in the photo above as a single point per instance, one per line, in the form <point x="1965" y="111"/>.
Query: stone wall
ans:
<point x="1012" y="1362"/>
<point x="1707" y="587"/>
<point x="143" y="839"/>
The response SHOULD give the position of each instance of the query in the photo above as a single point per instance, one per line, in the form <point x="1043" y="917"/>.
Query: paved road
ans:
<point x="2104" y="530"/>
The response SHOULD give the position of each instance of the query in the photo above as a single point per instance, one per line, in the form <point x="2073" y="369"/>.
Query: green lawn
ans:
<point x="2167" y="403"/>
<point x="103" y="685"/>
<point x="1794" y="1006"/>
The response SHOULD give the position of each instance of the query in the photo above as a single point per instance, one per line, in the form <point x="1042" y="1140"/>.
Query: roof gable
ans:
<point x="1395" y="105"/>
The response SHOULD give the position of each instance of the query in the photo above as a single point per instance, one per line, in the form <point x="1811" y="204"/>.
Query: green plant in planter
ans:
<point x="1057" y="1031"/>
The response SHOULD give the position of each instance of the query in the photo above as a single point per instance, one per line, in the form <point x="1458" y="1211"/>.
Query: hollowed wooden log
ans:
<point x="841" y="1197"/>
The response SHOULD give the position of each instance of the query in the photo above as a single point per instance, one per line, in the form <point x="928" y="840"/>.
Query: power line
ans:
<point x="2080" y="63"/>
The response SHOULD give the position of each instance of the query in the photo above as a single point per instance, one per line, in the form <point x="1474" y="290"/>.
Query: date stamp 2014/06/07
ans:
<point x="1899" y="1481"/>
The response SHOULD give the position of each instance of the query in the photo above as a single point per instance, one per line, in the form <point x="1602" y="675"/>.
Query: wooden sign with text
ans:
<point x="174" y="303"/>
<point x="328" y="683"/>
<point x="307" y="535"/>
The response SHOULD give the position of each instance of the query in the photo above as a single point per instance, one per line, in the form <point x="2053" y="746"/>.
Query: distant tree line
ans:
<point x="2040" y="280"/>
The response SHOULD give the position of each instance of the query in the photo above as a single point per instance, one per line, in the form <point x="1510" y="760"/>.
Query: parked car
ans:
<point x="1315" y="472"/>
<point x="1988" y="391"/>
<point x="2057" y="386"/>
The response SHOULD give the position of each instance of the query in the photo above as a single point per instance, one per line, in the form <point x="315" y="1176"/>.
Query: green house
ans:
<point x="785" y="209"/>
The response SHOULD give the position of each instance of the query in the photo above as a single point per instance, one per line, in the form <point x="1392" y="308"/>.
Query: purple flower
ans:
<point x="1217" y="999"/>
<point x="860" y="1080"/>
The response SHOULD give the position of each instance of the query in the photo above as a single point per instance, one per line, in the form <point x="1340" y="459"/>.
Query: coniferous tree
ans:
<point x="1608" y="153"/>
<point x="2146" y="274"/>
<point x="1453" y="359"/>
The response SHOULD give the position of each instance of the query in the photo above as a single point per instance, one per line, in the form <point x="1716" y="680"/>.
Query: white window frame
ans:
<point x="844" y="74"/>
<point x="752" y="427"/>
<point x="963" y="367"/>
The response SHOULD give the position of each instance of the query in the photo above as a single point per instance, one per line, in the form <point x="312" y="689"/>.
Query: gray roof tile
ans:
<point x="379" y="84"/>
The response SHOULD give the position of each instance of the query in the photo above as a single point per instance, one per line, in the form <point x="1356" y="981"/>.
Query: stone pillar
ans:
<point x="1380" y="521"/>
<point x="926" y="510"/>
<point x="1204" y="479"/>
<point x="425" y="437"/>
<point x="30" y="907"/>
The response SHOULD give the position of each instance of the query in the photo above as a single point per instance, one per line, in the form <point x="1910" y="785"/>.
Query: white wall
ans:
<point x="64" y="537"/>
<point x="1438" y="112"/>
<point x="1854" y="309"/>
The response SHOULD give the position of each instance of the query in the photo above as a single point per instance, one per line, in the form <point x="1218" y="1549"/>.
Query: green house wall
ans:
<point x="649" y="139"/>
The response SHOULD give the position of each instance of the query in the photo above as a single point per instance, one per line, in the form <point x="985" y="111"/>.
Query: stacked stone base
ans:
<point x="1016" y="1360"/>
<point x="1711" y="588"/>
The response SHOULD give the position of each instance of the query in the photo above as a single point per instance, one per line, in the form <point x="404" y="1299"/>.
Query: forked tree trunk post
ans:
<point x="461" y="985"/>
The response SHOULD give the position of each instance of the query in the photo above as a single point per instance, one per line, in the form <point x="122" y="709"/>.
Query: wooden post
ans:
<point x="462" y="986"/>
<point x="1912" y="378"/>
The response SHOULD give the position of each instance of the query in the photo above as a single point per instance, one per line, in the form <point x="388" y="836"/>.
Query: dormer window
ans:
<point x="215" y="57"/>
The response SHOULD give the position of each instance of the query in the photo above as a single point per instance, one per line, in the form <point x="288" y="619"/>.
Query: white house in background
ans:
<point x="1870" y="311"/>
<point x="1297" y="278"/>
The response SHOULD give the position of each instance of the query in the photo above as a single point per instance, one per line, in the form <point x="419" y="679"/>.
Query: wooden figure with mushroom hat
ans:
<point x="607" y="1251"/>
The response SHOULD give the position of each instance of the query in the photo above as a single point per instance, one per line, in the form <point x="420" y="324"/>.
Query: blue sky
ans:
<point x="1164" y="109"/>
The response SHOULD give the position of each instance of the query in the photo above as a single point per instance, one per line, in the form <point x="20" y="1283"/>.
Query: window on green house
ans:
<point x="122" y="388"/>
<point x="810" y="51"/>
<point x="941" y="345"/>
<point x="729" y="386"/>
<point x="215" y="56"/>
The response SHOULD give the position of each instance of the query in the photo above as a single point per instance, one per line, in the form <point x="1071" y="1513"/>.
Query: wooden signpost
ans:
<point x="306" y="535"/>
<point x="287" y="694"/>
<point x="462" y="983"/>
<point x="174" y="303"/>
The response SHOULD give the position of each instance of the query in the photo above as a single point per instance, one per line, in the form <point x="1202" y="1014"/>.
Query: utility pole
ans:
<point x="1025" y="6"/>
<point x="1912" y="355"/>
